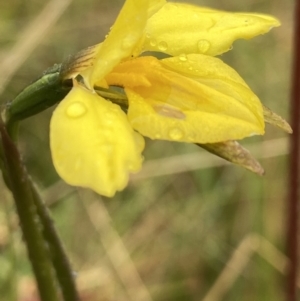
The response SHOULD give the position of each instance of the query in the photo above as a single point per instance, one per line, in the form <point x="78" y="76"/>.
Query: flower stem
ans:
<point x="294" y="176"/>
<point x="20" y="186"/>
<point x="60" y="261"/>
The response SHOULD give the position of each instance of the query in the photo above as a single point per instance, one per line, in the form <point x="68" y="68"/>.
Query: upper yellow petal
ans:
<point x="92" y="143"/>
<point x="181" y="28"/>
<point x="122" y="39"/>
<point x="222" y="84"/>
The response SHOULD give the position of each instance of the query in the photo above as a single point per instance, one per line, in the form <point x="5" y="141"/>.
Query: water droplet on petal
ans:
<point x="76" y="109"/>
<point x="176" y="134"/>
<point x="183" y="58"/>
<point x="203" y="46"/>
<point x="153" y="42"/>
<point x="127" y="43"/>
<point x="110" y="117"/>
<point x="162" y="46"/>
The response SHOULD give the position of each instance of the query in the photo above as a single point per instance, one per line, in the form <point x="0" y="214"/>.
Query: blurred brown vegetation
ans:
<point x="188" y="227"/>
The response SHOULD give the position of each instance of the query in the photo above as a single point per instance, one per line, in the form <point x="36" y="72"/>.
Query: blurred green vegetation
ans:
<point x="180" y="229"/>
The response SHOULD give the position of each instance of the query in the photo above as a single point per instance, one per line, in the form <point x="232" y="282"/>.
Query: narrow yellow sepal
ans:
<point x="181" y="28"/>
<point x="92" y="143"/>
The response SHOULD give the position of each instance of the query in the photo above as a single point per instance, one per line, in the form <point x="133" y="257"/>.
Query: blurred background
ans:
<point x="189" y="226"/>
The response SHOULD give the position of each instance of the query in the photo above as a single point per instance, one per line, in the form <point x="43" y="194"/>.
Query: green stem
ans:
<point x="44" y="92"/>
<point x="59" y="258"/>
<point x="11" y="282"/>
<point x="20" y="186"/>
<point x="60" y="261"/>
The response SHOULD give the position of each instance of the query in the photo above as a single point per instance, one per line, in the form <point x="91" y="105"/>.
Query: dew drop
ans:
<point x="162" y="46"/>
<point x="153" y="42"/>
<point x="175" y="134"/>
<point x="182" y="58"/>
<point x="76" y="109"/>
<point x="109" y="117"/>
<point x="203" y="46"/>
<point x="127" y="43"/>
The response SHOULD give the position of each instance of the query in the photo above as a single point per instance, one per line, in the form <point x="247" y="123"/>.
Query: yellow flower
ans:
<point x="188" y="96"/>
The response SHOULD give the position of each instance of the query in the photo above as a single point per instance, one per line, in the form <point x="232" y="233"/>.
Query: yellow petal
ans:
<point x="123" y="37"/>
<point x="92" y="143"/>
<point x="163" y="121"/>
<point x="222" y="85"/>
<point x="209" y="105"/>
<point x="202" y="66"/>
<point x="182" y="28"/>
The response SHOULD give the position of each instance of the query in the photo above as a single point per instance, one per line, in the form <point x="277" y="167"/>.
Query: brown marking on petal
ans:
<point x="169" y="111"/>
<point x="82" y="60"/>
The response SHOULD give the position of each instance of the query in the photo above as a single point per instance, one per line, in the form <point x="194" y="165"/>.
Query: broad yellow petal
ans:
<point x="92" y="143"/>
<point x="123" y="37"/>
<point x="163" y="121"/>
<point x="181" y="28"/>
<point x="223" y="87"/>
<point x="205" y="106"/>
<point x="202" y="66"/>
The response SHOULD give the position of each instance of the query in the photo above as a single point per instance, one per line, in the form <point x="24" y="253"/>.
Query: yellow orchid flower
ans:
<point x="188" y="96"/>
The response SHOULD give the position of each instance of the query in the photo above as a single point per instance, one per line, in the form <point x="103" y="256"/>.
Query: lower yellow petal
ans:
<point x="92" y="143"/>
<point x="158" y="120"/>
<point x="199" y="95"/>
